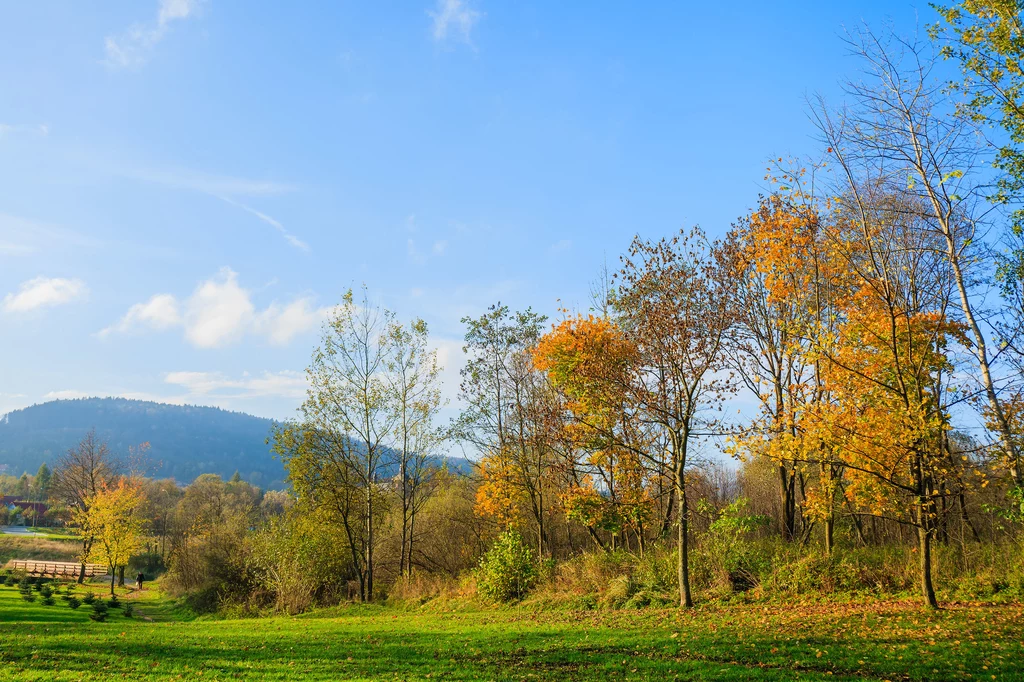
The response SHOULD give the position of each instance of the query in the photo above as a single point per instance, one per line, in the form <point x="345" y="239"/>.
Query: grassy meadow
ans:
<point x="884" y="640"/>
<point x="57" y="548"/>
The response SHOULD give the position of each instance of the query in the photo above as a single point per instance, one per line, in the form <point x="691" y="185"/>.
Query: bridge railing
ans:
<point x="55" y="569"/>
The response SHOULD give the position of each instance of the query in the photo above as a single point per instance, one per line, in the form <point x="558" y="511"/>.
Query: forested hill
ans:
<point x="185" y="440"/>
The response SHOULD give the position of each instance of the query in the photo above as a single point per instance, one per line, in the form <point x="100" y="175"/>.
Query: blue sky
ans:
<point x="186" y="185"/>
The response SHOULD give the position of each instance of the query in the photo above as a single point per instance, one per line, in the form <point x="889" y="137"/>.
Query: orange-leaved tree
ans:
<point x="592" y="363"/>
<point x="886" y="367"/>
<point x="786" y="279"/>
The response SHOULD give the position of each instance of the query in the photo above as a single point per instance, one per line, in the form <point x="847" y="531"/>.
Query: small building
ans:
<point x="29" y="509"/>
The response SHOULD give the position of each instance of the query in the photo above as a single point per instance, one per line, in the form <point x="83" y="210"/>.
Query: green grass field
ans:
<point x="866" y="641"/>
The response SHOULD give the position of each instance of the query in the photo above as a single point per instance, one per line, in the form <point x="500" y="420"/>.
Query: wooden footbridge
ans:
<point x="54" y="569"/>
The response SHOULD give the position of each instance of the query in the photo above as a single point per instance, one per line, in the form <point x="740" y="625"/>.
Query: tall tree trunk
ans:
<point x="830" y="530"/>
<point x="405" y="519"/>
<point x="685" y="597"/>
<point x="924" y="541"/>
<point x="980" y="348"/>
<point x="787" y="481"/>
<point x="86" y="546"/>
<point x="412" y="531"/>
<point x="680" y="441"/>
<point x="540" y="523"/>
<point x="666" y="521"/>
<point x="368" y="553"/>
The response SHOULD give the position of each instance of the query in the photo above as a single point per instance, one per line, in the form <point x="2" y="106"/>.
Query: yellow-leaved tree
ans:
<point x="114" y="520"/>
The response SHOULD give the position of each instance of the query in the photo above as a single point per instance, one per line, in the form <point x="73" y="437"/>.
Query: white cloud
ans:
<point x="132" y="48"/>
<point x="451" y="359"/>
<point x="280" y="324"/>
<point x="290" y="238"/>
<point x="220" y="312"/>
<point x="75" y="394"/>
<point x="44" y="292"/>
<point x="439" y="247"/>
<point x="198" y="388"/>
<point x="67" y="394"/>
<point x="160" y="312"/>
<point x="454" y="18"/>
<point x="286" y="384"/>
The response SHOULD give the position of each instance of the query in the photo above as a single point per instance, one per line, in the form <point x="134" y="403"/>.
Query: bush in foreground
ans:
<point x="507" y="571"/>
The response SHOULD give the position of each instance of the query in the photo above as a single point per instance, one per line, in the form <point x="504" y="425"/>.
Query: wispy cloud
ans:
<point x="286" y="384"/>
<point x="132" y="48"/>
<point x="419" y="257"/>
<point x="20" y="236"/>
<point x="11" y="249"/>
<point x="559" y="247"/>
<point x="23" y="128"/>
<point x="288" y="236"/>
<point x="44" y="292"/>
<point x="454" y="19"/>
<point x="195" y="388"/>
<point x="219" y="313"/>
<point x="208" y="183"/>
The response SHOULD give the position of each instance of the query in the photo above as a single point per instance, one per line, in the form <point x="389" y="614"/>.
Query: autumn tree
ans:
<point x="112" y="517"/>
<point x="78" y="477"/>
<point x="783" y="298"/>
<point x="901" y="129"/>
<point x="510" y="418"/>
<point x="886" y="365"/>
<point x="592" y="363"/>
<point x="677" y="303"/>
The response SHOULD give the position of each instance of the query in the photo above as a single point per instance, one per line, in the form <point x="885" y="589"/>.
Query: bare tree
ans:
<point x="414" y="377"/>
<point x="677" y="303"/>
<point x="78" y="476"/>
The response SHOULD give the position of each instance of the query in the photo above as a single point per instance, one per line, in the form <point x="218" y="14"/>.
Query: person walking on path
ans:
<point x="138" y="580"/>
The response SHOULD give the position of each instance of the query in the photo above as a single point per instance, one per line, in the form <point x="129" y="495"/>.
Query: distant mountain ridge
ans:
<point x="185" y="440"/>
